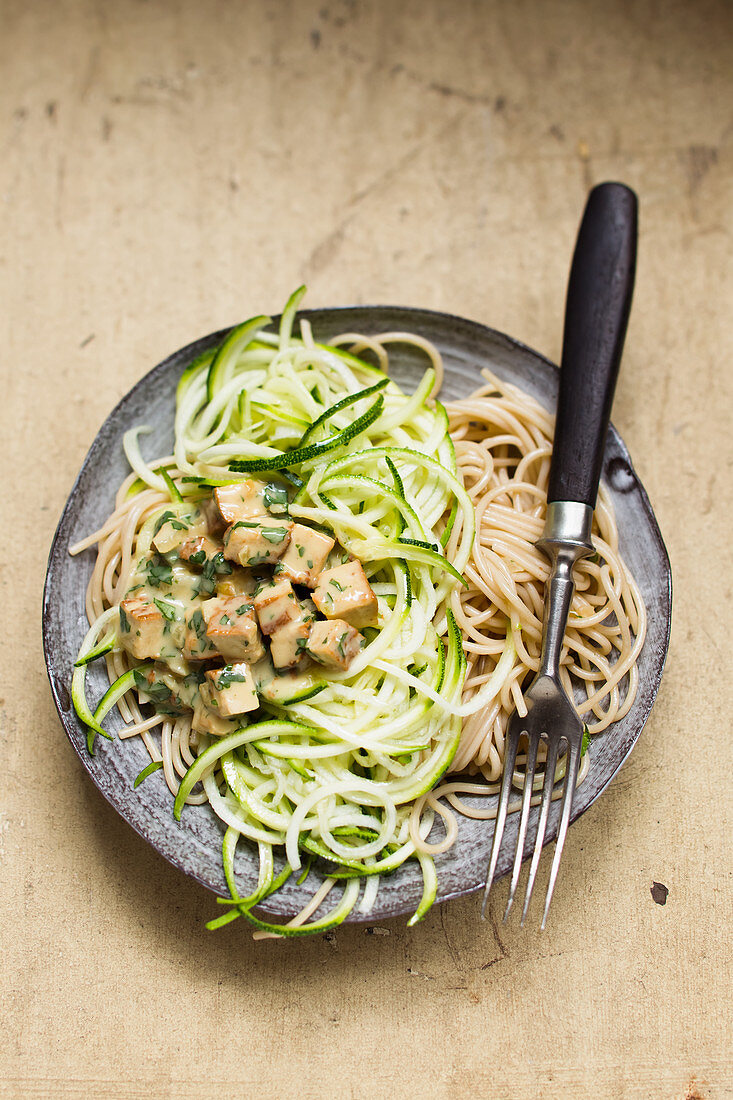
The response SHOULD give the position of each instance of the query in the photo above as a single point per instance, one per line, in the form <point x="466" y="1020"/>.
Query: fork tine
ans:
<point x="529" y="770"/>
<point x="550" y="765"/>
<point x="567" y="799"/>
<point x="510" y="756"/>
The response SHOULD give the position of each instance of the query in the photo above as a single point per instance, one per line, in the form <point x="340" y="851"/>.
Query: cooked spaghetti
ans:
<point x="335" y="745"/>
<point x="503" y="441"/>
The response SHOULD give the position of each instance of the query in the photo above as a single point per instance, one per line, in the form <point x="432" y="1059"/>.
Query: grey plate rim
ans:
<point x="60" y="542"/>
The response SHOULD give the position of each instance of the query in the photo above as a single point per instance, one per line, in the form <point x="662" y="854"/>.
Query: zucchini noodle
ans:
<point x="339" y="768"/>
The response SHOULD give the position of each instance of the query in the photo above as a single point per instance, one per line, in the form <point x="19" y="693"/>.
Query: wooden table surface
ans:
<point x="169" y="168"/>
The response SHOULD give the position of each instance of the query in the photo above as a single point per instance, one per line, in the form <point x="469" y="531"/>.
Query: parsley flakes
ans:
<point x="274" y="534"/>
<point x="159" y="572"/>
<point x="167" y="610"/>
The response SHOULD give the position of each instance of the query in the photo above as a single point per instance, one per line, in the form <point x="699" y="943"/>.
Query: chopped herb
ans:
<point x="301" y="551"/>
<point x="244" y="608"/>
<point x="275" y="498"/>
<point x="160" y="521"/>
<point x="336" y="584"/>
<point x="221" y="565"/>
<point x="340" y="643"/>
<point x="309" y="563"/>
<point x="228" y="676"/>
<point x="258" y="559"/>
<point x="169" y="517"/>
<point x="224" y="619"/>
<point x="585" y="742"/>
<point x="159" y="572"/>
<point x="300" y="644"/>
<point x="244" y="523"/>
<point x="159" y="692"/>
<point x="197" y="558"/>
<point x="198" y="676"/>
<point x="212" y="567"/>
<point x="153" y="766"/>
<point x="198" y="623"/>
<point x="167" y="610"/>
<point x="274" y="534"/>
<point x="124" y="622"/>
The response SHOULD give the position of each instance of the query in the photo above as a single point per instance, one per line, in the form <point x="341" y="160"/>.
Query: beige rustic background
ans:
<point x="169" y="168"/>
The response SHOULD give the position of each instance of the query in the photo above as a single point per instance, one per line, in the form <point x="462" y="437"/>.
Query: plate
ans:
<point x="194" y="845"/>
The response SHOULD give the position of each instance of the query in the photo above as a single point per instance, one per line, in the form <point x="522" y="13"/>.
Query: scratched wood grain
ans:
<point x="167" y="169"/>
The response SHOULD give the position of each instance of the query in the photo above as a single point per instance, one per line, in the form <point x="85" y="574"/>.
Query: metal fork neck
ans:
<point x="565" y="539"/>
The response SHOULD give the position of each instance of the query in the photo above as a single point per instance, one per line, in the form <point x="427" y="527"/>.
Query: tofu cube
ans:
<point x="214" y="523"/>
<point x="142" y="627"/>
<point x="197" y="551"/>
<point x="232" y="689"/>
<point x="206" y="716"/>
<point x="345" y="593"/>
<point x="175" y="528"/>
<point x="240" y="582"/>
<point x="288" y="643"/>
<point x="306" y="555"/>
<point x="240" y="501"/>
<point x="196" y="645"/>
<point x="231" y="628"/>
<point x="257" y="541"/>
<point x="334" y="643"/>
<point x="276" y="604"/>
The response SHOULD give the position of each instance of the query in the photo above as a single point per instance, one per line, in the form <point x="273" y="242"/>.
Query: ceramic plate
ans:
<point x="194" y="845"/>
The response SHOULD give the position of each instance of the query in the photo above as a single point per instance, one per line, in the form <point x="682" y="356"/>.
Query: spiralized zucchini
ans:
<point x="332" y="774"/>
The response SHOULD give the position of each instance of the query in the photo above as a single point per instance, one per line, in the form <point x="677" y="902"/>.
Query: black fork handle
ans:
<point x="596" y="314"/>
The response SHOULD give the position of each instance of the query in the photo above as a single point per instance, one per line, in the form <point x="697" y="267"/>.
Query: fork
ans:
<point x="597" y="307"/>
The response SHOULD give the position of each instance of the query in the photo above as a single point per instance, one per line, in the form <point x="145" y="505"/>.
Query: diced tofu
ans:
<point x="175" y="528"/>
<point x="276" y="604"/>
<point x="334" y="643"/>
<point x="257" y="541"/>
<point x="240" y="582"/>
<point x="306" y="555"/>
<point x="212" y="515"/>
<point x="240" y="501"/>
<point x="196" y="645"/>
<point x="345" y="593"/>
<point x="288" y="643"/>
<point x="206" y="716"/>
<point x="232" y="689"/>
<point x="198" y="550"/>
<point x="231" y="628"/>
<point x="142" y="627"/>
